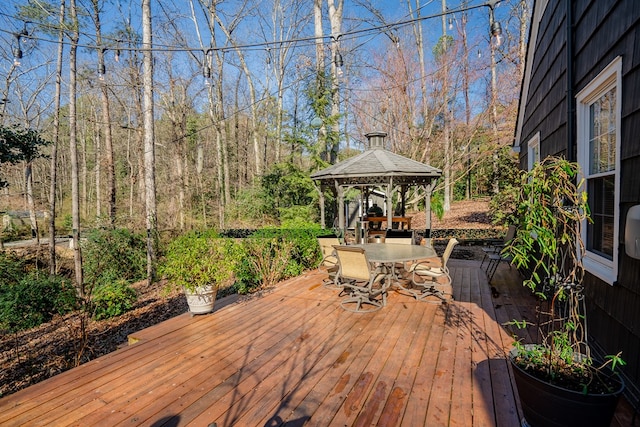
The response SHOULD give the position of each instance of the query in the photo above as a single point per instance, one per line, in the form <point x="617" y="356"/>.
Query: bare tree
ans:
<point x="427" y="120"/>
<point x="106" y="122"/>
<point x="213" y="70"/>
<point x="149" y="147"/>
<point x="31" y="112"/>
<point x="228" y="30"/>
<point x="176" y="105"/>
<point x="286" y="21"/>
<point x="73" y="149"/>
<point x="53" y="170"/>
<point x="335" y="18"/>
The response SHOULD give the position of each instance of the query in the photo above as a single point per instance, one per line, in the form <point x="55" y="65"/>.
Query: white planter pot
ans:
<point x="202" y="299"/>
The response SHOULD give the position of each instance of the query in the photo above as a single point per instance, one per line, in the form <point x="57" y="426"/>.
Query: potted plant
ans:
<point x="558" y="381"/>
<point x="198" y="263"/>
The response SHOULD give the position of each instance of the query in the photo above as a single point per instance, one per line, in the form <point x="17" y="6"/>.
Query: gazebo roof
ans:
<point x="378" y="166"/>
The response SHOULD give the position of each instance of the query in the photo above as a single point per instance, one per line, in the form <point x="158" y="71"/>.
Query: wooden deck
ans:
<point x="294" y="356"/>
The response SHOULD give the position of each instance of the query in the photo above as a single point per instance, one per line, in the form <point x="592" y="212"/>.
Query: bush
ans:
<point x="437" y="204"/>
<point x="115" y="253"/>
<point x="274" y="254"/>
<point x="33" y="300"/>
<point x="11" y="269"/>
<point x="200" y="258"/>
<point x="112" y="299"/>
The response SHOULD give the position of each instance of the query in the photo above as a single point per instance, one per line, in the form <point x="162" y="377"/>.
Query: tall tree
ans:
<point x="106" y="121"/>
<point x="446" y="113"/>
<point x="427" y="120"/>
<point x="151" y="218"/>
<point x="259" y="151"/>
<point x="53" y="169"/>
<point x="73" y="148"/>
<point x="335" y="18"/>
<point x="213" y="70"/>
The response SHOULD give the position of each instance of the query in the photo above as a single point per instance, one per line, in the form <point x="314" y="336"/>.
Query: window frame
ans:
<point x="610" y="77"/>
<point x="533" y="151"/>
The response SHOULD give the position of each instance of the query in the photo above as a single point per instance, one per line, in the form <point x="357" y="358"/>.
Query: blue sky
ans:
<point x="361" y="42"/>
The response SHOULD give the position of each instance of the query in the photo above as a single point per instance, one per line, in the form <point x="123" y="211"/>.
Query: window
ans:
<point x="533" y="156"/>
<point x="598" y="132"/>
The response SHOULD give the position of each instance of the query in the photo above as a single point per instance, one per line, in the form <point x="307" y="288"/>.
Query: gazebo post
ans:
<point x="427" y="205"/>
<point x="341" y="219"/>
<point x="322" y="210"/>
<point x="388" y="195"/>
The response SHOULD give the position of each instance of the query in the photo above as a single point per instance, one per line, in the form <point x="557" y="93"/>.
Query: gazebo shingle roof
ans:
<point x="382" y="168"/>
<point x="377" y="165"/>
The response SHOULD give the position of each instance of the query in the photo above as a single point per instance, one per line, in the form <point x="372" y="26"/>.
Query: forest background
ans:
<point x="175" y="115"/>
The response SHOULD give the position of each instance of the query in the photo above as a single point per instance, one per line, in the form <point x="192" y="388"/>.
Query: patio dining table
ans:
<point x="388" y="254"/>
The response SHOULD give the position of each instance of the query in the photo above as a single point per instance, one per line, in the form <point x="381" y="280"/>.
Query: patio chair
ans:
<point x="329" y="261"/>
<point x="400" y="236"/>
<point x="496" y="249"/>
<point x="426" y="238"/>
<point x="362" y="283"/>
<point x="494" y="262"/>
<point x="424" y="270"/>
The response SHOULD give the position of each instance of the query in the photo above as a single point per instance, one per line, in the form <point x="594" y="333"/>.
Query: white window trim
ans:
<point x="533" y="144"/>
<point x="610" y="76"/>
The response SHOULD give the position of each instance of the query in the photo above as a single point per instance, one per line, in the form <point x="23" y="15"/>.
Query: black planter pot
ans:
<point x="544" y="404"/>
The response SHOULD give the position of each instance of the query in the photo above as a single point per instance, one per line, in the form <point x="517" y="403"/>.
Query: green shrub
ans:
<point x="112" y="299"/>
<point x="115" y="253"/>
<point x="33" y="300"/>
<point x="273" y="254"/>
<point x="437" y="204"/>
<point x="11" y="269"/>
<point x="200" y="258"/>
<point x="269" y="260"/>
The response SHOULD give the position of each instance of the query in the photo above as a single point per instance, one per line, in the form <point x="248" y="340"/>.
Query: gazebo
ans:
<point x="379" y="168"/>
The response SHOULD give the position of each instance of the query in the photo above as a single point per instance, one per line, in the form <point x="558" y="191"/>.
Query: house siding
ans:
<point x="546" y="105"/>
<point x="602" y="31"/>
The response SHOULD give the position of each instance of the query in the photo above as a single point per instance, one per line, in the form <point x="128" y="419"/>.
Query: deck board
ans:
<point x="294" y="356"/>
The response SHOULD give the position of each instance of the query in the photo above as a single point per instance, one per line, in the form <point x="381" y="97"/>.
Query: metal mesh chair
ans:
<point x="496" y="249"/>
<point x="424" y="270"/>
<point x="400" y="236"/>
<point x="329" y="261"/>
<point x="495" y="256"/>
<point x="360" y="281"/>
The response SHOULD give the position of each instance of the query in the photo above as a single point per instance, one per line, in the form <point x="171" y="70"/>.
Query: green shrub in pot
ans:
<point x="551" y="209"/>
<point x="200" y="260"/>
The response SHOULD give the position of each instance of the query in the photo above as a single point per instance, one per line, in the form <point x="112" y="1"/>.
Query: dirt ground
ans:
<point x="464" y="214"/>
<point x="32" y="356"/>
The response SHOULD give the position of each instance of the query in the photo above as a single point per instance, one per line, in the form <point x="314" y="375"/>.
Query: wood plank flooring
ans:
<point x="294" y="357"/>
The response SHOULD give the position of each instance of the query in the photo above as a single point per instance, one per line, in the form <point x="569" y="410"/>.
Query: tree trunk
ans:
<point x="149" y="147"/>
<point x="335" y="18"/>
<point x="54" y="149"/>
<point x="106" y="128"/>
<point x="447" y="119"/>
<point x="494" y="116"/>
<point x="98" y="166"/>
<point x="28" y="179"/>
<point x="73" y="152"/>
<point x="260" y="164"/>
<point x="426" y="131"/>
<point x="320" y="64"/>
